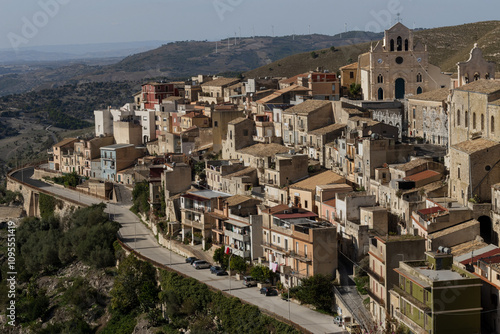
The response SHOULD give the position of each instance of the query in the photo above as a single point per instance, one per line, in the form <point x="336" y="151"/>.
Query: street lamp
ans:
<point x="229" y="265"/>
<point x="289" y="286"/>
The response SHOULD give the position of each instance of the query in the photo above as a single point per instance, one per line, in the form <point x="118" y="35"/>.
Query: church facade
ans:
<point x="397" y="68"/>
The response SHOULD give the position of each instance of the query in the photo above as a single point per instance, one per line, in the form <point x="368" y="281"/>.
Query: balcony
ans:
<point x="276" y="247"/>
<point x="376" y="298"/>
<point x="193" y="223"/>
<point x="376" y="276"/>
<point x="193" y="209"/>
<point x="415" y="328"/>
<point x="237" y="236"/>
<point x="301" y="257"/>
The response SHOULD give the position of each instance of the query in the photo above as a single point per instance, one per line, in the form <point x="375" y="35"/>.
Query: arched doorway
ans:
<point x="380" y="94"/>
<point x="486" y="229"/>
<point x="399" y="88"/>
<point x="419" y="90"/>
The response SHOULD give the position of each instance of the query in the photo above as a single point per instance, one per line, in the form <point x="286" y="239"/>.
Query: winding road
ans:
<point x="138" y="237"/>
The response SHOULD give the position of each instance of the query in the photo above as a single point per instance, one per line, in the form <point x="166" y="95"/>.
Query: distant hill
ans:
<point x="447" y="46"/>
<point x="172" y="60"/>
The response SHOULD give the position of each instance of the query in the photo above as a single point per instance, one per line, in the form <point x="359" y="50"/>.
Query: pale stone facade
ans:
<point x="398" y="67"/>
<point x="475" y="68"/>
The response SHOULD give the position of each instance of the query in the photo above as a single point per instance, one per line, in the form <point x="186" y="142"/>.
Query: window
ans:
<point x="466" y="119"/>
<point x="296" y="247"/>
<point x="305" y="204"/>
<point x="482" y="122"/>
<point x="327" y="215"/>
<point x="406" y="45"/>
<point x="216" y="124"/>
<point x="399" y="43"/>
<point x="414" y="114"/>
<point x="474" y="120"/>
<point x="380" y="79"/>
<point x="419" y="77"/>
<point x="492" y="124"/>
<point x="458" y="172"/>
<point x="245" y="132"/>
<point x="399" y="60"/>
<point x="144" y="118"/>
<point x="351" y="75"/>
<point x="458" y="117"/>
<point x="305" y="250"/>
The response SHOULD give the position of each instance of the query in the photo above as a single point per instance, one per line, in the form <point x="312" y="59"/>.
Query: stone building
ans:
<point x="240" y="133"/>
<point x="428" y="116"/>
<point x="475" y="68"/>
<point x="474" y="110"/>
<point x="474" y="169"/>
<point x="398" y="67"/>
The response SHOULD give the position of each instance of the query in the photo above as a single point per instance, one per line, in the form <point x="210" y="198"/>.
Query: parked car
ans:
<point x="221" y="272"/>
<point x="249" y="281"/>
<point x="214" y="269"/>
<point x="268" y="291"/>
<point x="201" y="264"/>
<point x="191" y="259"/>
<point x="337" y="320"/>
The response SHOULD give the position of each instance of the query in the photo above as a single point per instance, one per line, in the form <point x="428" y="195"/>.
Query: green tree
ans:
<point x="263" y="273"/>
<point x="316" y="290"/>
<point x="314" y="55"/>
<point x="238" y="263"/>
<point x="134" y="287"/>
<point x="355" y="91"/>
<point x="140" y="197"/>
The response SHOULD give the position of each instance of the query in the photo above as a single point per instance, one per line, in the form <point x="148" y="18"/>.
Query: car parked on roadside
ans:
<point x="214" y="269"/>
<point x="201" y="264"/>
<point x="221" y="272"/>
<point x="249" y="281"/>
<point x="269" y="291"/>
<point x="191" y="259"/>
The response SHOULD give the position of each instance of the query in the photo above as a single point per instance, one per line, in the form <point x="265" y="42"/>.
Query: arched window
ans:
<point x="400" y="43"/>
<point x="380" y="79"/>
<point x="482" y="122"/>
<point x="487" y="76"/>
<point x="380" y="94"/>
<point x="458" y="117"/>
<point x="406" y="45"/>
<point x="419" y="77"/>
<point x="474" y="120"/>
<point x="476" y="76"/>
<point x="466" y="119"/>
<point x="419" y="90"/>
<point x="492" y="124"/>
<point x="392" y="45"/>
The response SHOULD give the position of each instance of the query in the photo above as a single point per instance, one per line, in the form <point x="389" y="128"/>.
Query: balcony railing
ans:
<point x="275" y="247"/>
<point x="415" y="328"/>
<point x="301" y="257"/>
<point x="376" y="298"/>
<point x="193" y="223"/>
<point x="376" y="276"/>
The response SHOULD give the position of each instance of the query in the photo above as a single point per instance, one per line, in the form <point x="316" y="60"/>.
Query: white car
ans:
<point x="201" y="264"/>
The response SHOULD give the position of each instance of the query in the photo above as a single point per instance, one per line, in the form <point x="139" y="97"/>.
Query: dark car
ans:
<point x="269" y="291"/>
<point x="264" y="290"/>
<point x="221" y="272"/>
<point x="215" y="269"/>
<point x="191" y="259"/>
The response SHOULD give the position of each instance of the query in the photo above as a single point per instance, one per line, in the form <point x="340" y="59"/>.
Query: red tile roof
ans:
<point x="426" y="174"/>
<point x="483" y="257"/>
<point x="432" y="210"/>
<point x="295" y="215"/>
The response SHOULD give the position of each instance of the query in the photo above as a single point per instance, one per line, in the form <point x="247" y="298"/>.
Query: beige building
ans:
<point x="398" y="67"/>
<point x="428" y="116"/>
<point x="297" y="246"/>
<point x="212" y="92"/>
<point x="474" y="169"/>
<point x="63" y="148"/>
<point x="303" y="193"/>
<point x="474" y="110"/>
<point x="348" y="76"/>
<point x="240" y="132"/>
<point x="384" y="256"/>
<point x="304" y="117"/>
<point x="221" y="116"/>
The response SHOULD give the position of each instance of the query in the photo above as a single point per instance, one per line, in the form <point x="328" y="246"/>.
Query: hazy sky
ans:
<point x="25" y="23"/>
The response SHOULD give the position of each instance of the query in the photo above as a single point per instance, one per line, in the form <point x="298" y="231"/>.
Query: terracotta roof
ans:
<point x="475" y="145"/>
<point x="353" y="66"/>
<point x="368" y="121"/>
<point x="330" y="202"/>
<point x="481" y="86"/>
<point x="437" y="95"/>
<point x="173" y="98"/>
<point x="277" y="208"/>
<point x="293" y="79"/>
<point x="327" y="129"/>
<point x="310" y="183"/>
<point x="263" y="150"/>
<point x="278" y="93"/>
<point x="237" y="199"/>
<point x="243" y="172"/>
<point x="482" y="256"/>
<point x="237" y="120"/>
<point x="65" y="141"/>
<point x="220" y="82"/>
<point x="307" y="107"/>
<point x="422" y="175"/>
<point x="295" y="215"/>
<point x="410" y="165"/>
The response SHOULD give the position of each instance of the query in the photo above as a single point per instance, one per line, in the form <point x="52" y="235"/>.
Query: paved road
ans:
<point x="137" y="236"/>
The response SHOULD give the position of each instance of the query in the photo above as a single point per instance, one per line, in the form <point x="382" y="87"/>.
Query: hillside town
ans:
<point x="387" y="168"/>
